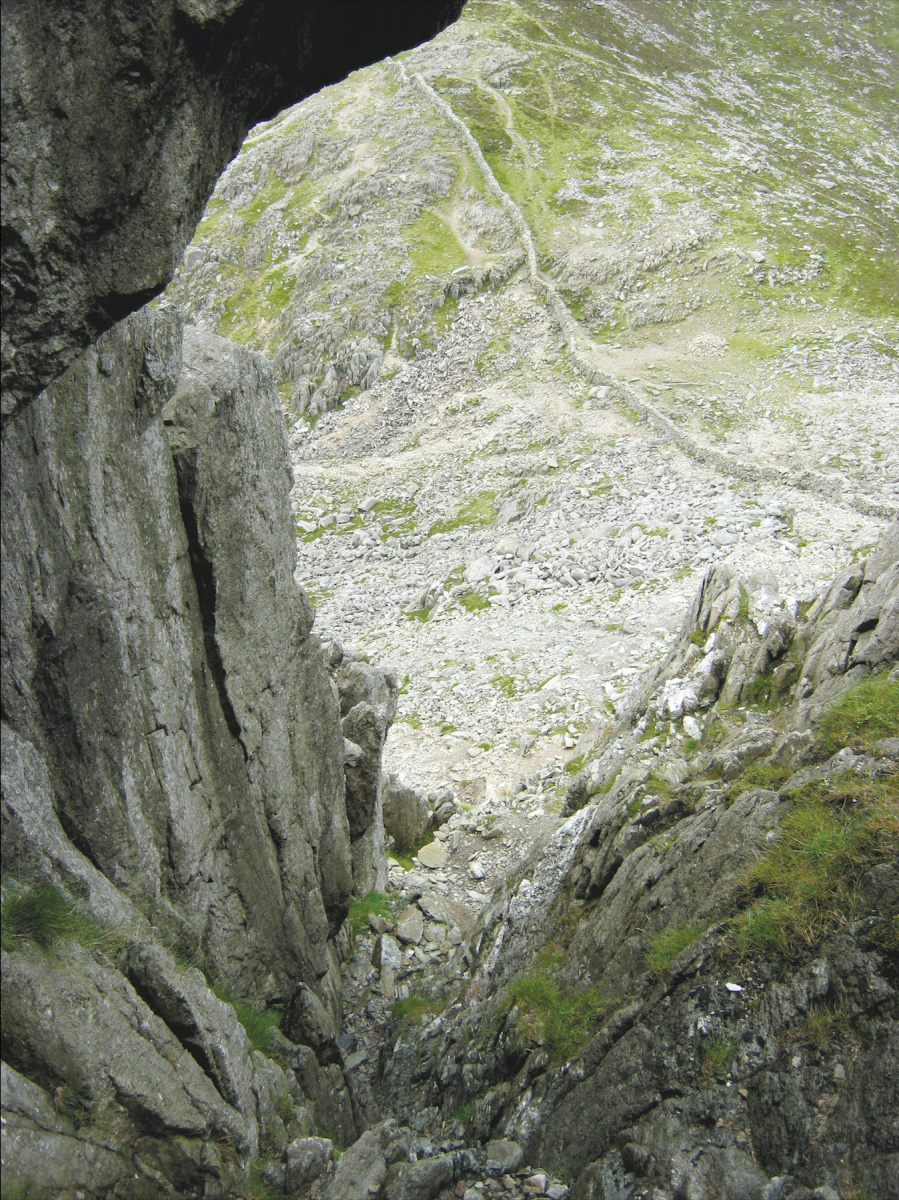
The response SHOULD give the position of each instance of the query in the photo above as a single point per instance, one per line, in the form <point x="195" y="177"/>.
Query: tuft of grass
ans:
<point x="563" y="1020"/>
<point x="40" y="915"/>
<point x="716" y="1054"/>
<point x="44" y="916"/>
<point x="466" y="1112"/>
<point x="803" y="889"/>
<point x="759" y="775"/>
<point x="473" y="602"/>
<point x="374" y="904"/>
<point x="821" y="1026"/>
<point x="862" y="716"/>
<point x="668" y="943"/>
<point x="75" y="1102"/>
<point x="256" y="1022"/>
<point x="412" y="1009"/>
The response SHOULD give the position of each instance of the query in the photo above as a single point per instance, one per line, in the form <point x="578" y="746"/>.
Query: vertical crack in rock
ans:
<point x="204" y="578"/>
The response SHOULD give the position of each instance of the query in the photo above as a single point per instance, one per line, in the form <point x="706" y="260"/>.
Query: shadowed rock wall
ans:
<point x="117" y="120"/>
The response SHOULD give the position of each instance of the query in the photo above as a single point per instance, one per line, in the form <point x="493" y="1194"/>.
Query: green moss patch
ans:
<point x="474" y="602"/>
<point x="562" y="1020"/>
<point x="669" y="942"/>
<point x="477" y="512"/>
<point x="803" y="888"/>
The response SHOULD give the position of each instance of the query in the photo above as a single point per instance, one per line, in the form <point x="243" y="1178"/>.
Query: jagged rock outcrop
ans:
<point x="116" y="123"/>
<point x="368" y="699"/>
<point x="709" y="1069"/>
<point x="172" y="750"/>
<point x="159" y="677"/>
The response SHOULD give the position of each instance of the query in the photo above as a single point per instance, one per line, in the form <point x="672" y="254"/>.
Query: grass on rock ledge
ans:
<point x="861" y="717"/>
<point x="375" y="904"/>
<point x="562" y="1020"/>
<point x="43" y="916"/>
<point x="804" y="887"/>
<point x="668" y="943"/>
<point x="257" y="1023"/>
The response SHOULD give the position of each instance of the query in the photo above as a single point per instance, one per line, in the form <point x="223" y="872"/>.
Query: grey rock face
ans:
<point x="701" y="1042"/>
<point x="159" y="679"/>
<point x="40" y="1147"/>
<point x="405" y="813"/>
<point x="115" y="129"/>
<point x="307" y="1023"/>
<point x="107" y="1038"/>
<point x="854" y="630"/>
<point x="368" y="699"/>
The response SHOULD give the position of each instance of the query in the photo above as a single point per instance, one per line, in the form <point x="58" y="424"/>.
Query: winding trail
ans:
<point x="579" y="344"/>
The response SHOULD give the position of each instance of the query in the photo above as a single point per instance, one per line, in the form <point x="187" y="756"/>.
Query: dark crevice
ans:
<point x="204" y="578"/>
<point x="78" y="839"/>
<point x="187" y="1035"/>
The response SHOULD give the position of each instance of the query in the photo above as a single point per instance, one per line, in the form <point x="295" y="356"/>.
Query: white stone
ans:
<point x="433" y="855"/>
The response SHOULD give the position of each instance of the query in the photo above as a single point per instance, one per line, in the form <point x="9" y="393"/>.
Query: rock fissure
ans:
<point x="204" y="579"/>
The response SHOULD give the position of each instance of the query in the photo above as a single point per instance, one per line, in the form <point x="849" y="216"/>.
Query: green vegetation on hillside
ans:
<point x="804" y="887"/>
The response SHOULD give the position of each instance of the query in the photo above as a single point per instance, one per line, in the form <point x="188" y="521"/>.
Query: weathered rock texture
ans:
<point x="158" y="675"/>
<point x="172" y="748"/>
<point x="368" y="698"/>
<point x="708" y="1074"/>
<point x="117" y="121"/>
<point x="405" y="813"/>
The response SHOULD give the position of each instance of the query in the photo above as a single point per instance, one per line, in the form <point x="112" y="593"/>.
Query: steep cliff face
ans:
<point x="159" y="675"/>
<point x="116" y="122"/>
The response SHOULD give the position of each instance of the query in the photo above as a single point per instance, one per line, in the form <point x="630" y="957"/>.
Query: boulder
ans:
<point x="446" y="911"/>
<point x="433" y="855"/>
<point x="480" y="569"/>
<point x="422" y="1180"/>
<point x="405" y="813"/>
<point x="410" y="925"/>
<point x="386" y="953"/>
<point x="306" y="1159"/>
<point x="361" y="1169"/>
<point x="507" y="1155"/>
